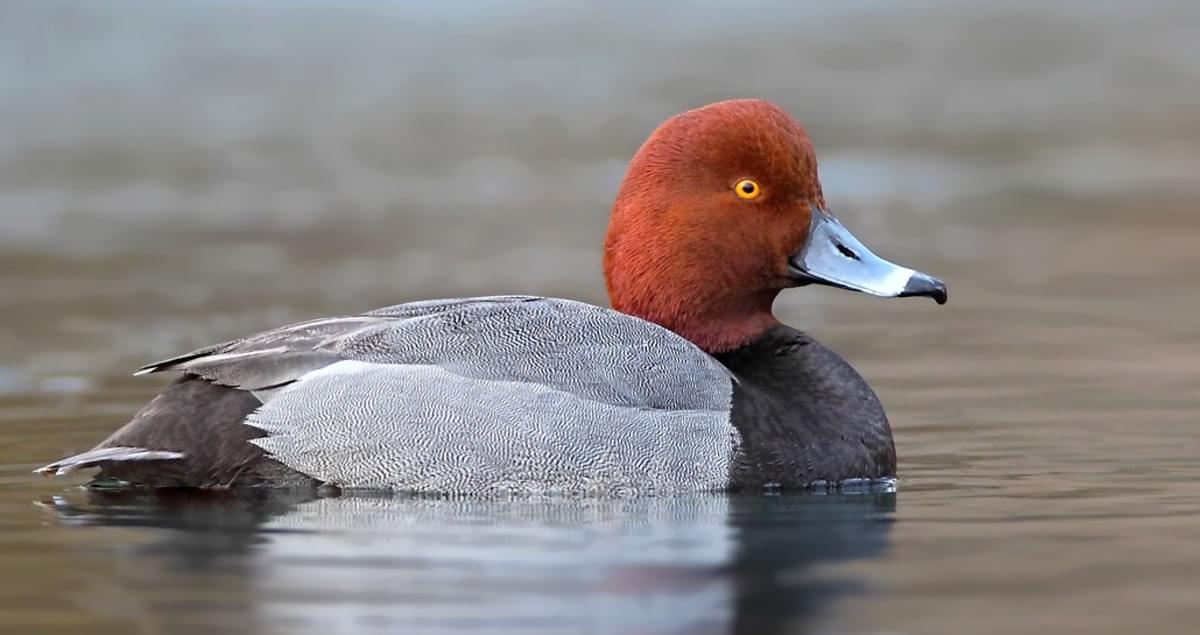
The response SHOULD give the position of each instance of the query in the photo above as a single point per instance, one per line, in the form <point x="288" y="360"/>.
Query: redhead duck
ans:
<point x="687" y="383"/>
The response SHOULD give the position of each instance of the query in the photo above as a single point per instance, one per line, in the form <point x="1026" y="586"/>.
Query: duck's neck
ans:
<point x="715" y="324"/>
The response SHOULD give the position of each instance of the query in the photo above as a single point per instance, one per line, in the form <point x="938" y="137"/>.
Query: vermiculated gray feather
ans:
<point x="506" y="393"/>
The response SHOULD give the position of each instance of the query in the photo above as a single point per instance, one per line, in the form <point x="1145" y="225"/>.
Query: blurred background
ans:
<point x="175" y="174"/>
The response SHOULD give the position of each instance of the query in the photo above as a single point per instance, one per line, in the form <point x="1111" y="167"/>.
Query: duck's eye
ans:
<point x="747" y="189"/>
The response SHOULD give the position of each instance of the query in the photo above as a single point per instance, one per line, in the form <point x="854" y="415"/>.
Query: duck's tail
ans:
<point x="101" y="457"/>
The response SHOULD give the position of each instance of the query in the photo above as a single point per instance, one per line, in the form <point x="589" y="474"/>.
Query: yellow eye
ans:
<point x="747" y="189"/>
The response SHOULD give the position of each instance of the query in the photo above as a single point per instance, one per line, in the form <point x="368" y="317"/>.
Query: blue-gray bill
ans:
<point x="832" y="256"/>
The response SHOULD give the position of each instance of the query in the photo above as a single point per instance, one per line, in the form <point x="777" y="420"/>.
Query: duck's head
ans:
<point x="720" y="210"/>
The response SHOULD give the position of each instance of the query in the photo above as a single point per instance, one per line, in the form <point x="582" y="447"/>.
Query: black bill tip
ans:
<point x="922" y="285"/>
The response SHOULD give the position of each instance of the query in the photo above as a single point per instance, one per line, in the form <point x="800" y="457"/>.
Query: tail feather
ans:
<point x="104" y="456"/>
<point x="191" y="435"/>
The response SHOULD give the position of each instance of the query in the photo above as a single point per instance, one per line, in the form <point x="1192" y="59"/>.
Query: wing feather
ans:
<point x="452" y="395"/>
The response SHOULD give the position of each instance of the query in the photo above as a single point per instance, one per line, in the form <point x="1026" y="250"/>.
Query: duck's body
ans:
<point x="496" y="395"/>
<point x="691" y="387"/>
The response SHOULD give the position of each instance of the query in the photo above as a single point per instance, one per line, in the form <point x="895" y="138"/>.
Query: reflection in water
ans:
<point x="695" y="564"/>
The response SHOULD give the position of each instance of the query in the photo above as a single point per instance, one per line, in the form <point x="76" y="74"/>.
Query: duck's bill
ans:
<point x="832" y="256"/>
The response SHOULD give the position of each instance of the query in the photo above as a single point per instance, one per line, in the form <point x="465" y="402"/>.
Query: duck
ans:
<point x="686" y="383"/>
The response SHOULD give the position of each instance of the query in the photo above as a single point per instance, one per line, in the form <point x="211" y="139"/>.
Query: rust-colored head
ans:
<point x="684" y="249"/>
<point x="712" y="222"/>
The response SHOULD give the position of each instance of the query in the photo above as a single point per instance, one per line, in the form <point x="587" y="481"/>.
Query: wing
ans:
<point x="484" y="394"/>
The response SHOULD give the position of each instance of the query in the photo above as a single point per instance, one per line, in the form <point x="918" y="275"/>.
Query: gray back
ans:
<point x="485" y="395"/>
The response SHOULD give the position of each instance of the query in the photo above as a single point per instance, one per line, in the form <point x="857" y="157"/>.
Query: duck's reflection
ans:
<point x="700" y="564"/>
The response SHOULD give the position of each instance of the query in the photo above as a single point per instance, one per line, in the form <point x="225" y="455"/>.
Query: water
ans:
<point x="683" y="564"/>
<point x="174" y="175"/>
